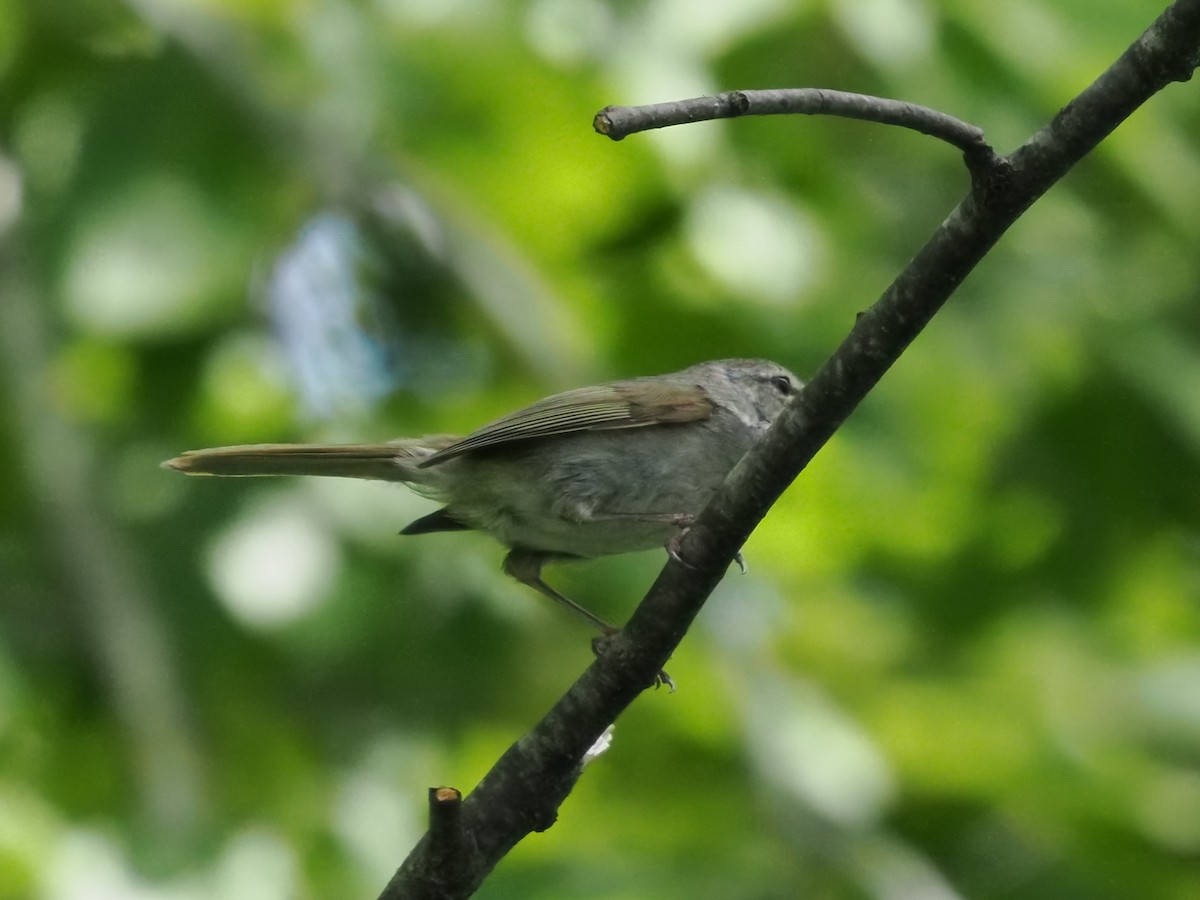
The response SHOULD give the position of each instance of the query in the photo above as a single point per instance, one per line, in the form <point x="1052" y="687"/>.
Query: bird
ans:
<point x="600" y="470"/>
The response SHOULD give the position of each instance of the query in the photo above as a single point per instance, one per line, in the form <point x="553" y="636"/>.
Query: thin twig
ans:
<point x="618" y="122"/>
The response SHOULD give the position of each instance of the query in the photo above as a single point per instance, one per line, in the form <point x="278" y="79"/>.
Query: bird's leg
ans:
<point x="681" y="521"/>
<point x="526" y="567"/>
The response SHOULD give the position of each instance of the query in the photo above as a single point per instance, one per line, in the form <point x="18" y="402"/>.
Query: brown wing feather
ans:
<point x="622" y="404"/>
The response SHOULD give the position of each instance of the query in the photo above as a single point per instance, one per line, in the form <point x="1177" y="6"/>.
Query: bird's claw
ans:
<point x="600" y="643"/>
<point x="600" y="647"/>
<point x="673" y="546"/>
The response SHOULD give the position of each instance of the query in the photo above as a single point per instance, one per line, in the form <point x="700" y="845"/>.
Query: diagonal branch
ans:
<point x="524" y="789"/>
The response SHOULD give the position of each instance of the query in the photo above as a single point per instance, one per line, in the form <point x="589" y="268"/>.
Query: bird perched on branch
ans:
<point x="594" y="471"/>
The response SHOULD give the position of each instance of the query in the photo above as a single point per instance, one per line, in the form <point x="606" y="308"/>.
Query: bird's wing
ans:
<point x="622" y="404"/>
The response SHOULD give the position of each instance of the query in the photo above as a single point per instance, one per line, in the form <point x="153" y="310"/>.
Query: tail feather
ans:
<point x="392" y="461"/>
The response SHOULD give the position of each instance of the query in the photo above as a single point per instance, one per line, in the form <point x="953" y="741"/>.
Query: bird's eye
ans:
<point x="782" y="383"/>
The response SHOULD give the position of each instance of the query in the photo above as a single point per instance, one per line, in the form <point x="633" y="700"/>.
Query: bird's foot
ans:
<point x="600" y="646"/>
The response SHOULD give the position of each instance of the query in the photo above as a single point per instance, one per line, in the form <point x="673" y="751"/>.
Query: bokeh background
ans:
<point x="965" y="661"/>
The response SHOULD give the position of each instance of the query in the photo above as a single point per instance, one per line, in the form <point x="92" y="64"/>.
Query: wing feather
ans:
<point x="622" y="404"/>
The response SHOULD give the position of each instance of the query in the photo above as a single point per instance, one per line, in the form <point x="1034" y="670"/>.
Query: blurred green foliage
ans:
<point x="966" y="660"/>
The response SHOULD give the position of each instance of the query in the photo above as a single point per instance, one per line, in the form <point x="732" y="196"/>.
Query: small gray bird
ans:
<point x="598" y="470"/>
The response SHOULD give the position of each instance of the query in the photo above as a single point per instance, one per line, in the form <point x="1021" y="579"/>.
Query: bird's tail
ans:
<point x="391" y="461"/>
